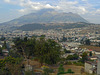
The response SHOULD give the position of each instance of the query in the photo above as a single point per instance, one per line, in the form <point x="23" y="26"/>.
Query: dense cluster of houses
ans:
<point x="93" y="67"/>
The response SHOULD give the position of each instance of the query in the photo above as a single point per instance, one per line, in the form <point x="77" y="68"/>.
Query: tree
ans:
<point x="47" y="71"/>
<point x="90" y="54"/>
<point x="70" y="71"/>
<point x="75" y="56"/>
<point x="87" y="42"/>
<point x="25" y="39"/>
<point x="42" y="36"/>
<point x="67" y="51"/>
<point x="72" y="57"/>
<point x="47" y="51"/>
<point x="25" y="47"/>
<point x="2" y="38"/>
<point x="84" y="57"/>
<point x="29" y="73"/>
<point x="99" y="44"/>
<point x="10" y="65"/>
<point x="61" y="68"/>
<point x="64" y="39"/>
<point x="1" y="51"/>
<point x="4" y="45"/>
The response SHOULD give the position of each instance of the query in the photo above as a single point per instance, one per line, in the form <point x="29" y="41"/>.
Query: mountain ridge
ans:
<point x="46" y="16"/>
<point x="47" y="26"/>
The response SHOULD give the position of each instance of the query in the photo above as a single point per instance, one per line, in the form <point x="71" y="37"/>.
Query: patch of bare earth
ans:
<point x="74" y="68"/>
<point x="91" y="47"/>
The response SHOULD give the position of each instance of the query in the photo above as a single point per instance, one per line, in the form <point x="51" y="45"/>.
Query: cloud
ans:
<point x="21" y="10"/>
<point x="29" y="6"/>
<point x="72" y="6"/>
<point x="98" y="11"/>
<point x="76" y="6"/>
<point x="8" y="1"/>
<point x="84" y="0"/>
<point x="61" y="5"/>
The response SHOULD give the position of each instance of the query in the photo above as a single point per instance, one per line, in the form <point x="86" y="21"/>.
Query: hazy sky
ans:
<point x="88" y="9"/>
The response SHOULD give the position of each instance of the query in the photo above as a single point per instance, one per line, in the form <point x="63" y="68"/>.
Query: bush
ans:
<point x="69" y="63"/>
<point x="47" y="71"/>
<point x="29" y="73"/>
<point x="72" y="57"/>
<point x="78" y="63"/>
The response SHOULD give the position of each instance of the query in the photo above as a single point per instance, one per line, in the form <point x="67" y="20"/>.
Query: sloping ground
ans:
<point x="76" y="69"/>
<point x="91" y="47"/>
<point x="35" y="64"/>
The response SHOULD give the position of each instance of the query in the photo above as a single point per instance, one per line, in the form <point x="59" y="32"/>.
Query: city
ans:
<point x="43" y="37"/>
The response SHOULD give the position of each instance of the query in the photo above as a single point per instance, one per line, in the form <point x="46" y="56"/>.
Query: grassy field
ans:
<point x="74" y="68"/>
<point x="91" y="47"/>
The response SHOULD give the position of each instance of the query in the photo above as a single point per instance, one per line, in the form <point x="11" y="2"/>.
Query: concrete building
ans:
<point x="90" y="67"/>
<point x="98" y="65"/>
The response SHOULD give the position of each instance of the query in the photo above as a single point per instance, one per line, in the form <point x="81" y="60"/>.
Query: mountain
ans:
<point x="46" y="16"/>
<point x="46" y="26"/>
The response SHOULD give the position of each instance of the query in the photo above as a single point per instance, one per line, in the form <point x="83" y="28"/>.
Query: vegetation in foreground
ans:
<point x="46" y="52"/>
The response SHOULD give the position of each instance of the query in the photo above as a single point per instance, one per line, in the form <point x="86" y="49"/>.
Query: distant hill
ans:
<point x="46" y="16"/>
<point x="46" y="26"/>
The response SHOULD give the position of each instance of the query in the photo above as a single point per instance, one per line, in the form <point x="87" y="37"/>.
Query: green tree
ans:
<point x="90" y="54"/>
<point x="42" y="36"/>
<point x="4" y="45"/>
<point x="2" y="38"/>
<point x="1" y="51"/>
<point x="67" y="51"/>
<point x="64" y="39"/>
<point x="29" y="73"/>
<point x="47" y="71"/>
<point x="87" y="42"/>
<point x="72" y="57"/>
<point x="99" y="44"/>
<point x="25" y="39"/>
<point x="25" y="47"/>
<point x="60" y="69"/>
<point x="70" y="71"/>
<point x="10" y="66"/>
<point x="47" y="51"/>
<point x="84" y="57"/>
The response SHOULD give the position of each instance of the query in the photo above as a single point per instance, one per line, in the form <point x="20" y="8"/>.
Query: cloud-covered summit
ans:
<point x="86" y="8"/>
<point x="77" y="6"/>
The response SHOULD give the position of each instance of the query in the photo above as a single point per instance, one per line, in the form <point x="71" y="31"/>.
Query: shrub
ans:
<point x="47" y="71"/>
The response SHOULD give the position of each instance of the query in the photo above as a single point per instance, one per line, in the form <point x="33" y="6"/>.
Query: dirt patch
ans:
<point x="74" y="68"/>
<point x="91" y="47"/>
